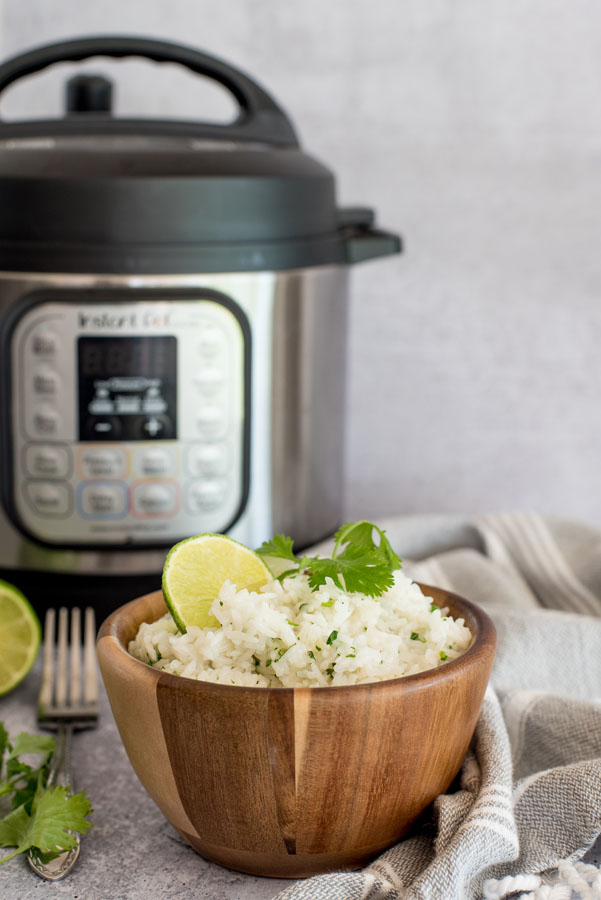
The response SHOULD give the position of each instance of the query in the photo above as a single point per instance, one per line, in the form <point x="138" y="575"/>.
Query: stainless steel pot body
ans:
<point x="251" y="367"/>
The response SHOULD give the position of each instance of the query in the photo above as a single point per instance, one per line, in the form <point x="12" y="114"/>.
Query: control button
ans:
<point x="212" y="341"/>
<point x="153" y="403"/>
<point x="154" y="462"/>
<point x="155" y="499"/>
<point x="211" y="420"/>
<point x="100" y="406"/>
<point x="45" y="382"/>
<point x="106" y="428"/>
<point x="45" y="343"/>
<point x="100" y="500"/>
<point x="47" y="498"/>
<point x="156" y="427"/>
<point x="45" y="421"/>
<point x="128" y="405"/>
<point x="210" y="379"/>
<point x="208" y="459"/>
<point x="205" y="495"/>
<point x="43" y="461"/>
<point x="103" y="462"/>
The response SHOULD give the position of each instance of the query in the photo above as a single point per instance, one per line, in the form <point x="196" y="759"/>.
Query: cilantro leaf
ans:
<point x="13" y="827"/>
<point x="42" y="818"/>
<point x="358" y="564"/>
<point x="21" y="779"/>
<point x="360" y="534"/>
<point x="24" y="794"/>
<point x="32" y="743"/>
<point x="55" y="814"/>
<point x="355" y="571"/>
<point x="3" y="743"/>
<point x="386" y="549"/>
<point x="280" y="546"/>
<point x="357" y="533"/>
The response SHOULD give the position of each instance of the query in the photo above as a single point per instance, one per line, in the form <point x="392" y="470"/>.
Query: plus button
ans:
<point x="152" y="427"/>
<point x="156" y="427"/>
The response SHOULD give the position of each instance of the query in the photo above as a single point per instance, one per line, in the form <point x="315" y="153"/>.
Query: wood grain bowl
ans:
<point x="288" y="782"/>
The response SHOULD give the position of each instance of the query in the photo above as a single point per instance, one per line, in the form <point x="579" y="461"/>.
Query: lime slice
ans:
<point x="195" y="570"/>
<point x="20" y="634"/>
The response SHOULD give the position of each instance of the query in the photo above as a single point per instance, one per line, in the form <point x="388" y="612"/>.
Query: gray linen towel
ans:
<point x="527" y="805"/>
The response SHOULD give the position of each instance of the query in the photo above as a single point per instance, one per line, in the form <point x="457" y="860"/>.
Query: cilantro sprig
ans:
<point x="41" y="817"/>
<point x="358" y="563"/>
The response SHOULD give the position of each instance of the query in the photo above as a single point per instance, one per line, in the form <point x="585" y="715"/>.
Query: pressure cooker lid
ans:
<point x="91" y="192"/>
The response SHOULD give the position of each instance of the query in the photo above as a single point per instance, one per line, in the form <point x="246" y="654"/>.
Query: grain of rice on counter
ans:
<point x="287" y="635"/>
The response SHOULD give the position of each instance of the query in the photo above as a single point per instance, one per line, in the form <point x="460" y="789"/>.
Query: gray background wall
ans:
<point x="474" y="129"/>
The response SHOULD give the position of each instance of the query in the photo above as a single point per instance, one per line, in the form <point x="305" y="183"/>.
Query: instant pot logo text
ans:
<point x="115" y="320"/>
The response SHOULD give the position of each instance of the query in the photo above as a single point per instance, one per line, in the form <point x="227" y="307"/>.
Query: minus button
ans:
<point x="109" y="427"/>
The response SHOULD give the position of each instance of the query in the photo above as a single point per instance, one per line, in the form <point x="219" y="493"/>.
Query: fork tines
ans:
<point x="69" y="690"/>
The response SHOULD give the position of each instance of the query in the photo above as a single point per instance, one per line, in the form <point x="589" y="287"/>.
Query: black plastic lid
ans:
<point x="92" y="193"/>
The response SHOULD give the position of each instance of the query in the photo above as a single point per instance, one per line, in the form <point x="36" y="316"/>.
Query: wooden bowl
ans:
<point x="289" y="782"/>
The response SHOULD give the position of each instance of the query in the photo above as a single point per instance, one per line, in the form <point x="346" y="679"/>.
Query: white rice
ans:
<point x="286" y="635"/>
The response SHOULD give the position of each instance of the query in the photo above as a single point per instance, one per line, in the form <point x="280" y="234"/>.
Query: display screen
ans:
<point x="127" y="388"/>
<point x="108" y="357"/>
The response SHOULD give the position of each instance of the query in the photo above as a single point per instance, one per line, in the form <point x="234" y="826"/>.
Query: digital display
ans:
<point x="108" y="357"/>
<point x="127" y="388"/>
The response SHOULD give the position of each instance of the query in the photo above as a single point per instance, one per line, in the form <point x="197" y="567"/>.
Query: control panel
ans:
<point x="129" y="419"/>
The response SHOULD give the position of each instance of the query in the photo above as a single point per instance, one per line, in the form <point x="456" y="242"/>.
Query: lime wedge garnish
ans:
<point x="195" y="570"/>
<point x="20" y="635"/>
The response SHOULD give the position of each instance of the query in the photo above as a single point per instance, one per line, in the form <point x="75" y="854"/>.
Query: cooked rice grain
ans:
<point x="287" y="635"/>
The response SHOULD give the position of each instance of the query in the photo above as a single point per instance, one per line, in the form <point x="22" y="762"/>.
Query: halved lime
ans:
<point x="195" y="570"/>
<point x="20" y="634"/>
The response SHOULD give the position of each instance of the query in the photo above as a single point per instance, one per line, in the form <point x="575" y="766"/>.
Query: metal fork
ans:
<point x="68" y="701"/>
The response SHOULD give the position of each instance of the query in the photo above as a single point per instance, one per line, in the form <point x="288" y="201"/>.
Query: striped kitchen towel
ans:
<point x="527" y="805"/>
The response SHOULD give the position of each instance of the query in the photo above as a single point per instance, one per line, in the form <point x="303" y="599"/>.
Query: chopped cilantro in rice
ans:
<point x="287" y="635"/>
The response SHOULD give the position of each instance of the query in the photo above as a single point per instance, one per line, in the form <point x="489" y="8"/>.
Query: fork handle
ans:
<point x="59" y="775"/>
<point x="60" y="767"/>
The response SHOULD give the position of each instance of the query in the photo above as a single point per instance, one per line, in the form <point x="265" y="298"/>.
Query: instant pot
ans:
<point x="173" y="307"/>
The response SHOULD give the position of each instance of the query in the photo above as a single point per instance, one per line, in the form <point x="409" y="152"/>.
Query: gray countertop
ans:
<point x="131" y="853"/>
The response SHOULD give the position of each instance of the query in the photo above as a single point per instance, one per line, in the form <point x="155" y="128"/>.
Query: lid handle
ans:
<point x="88" y="94"/>
<point x="260" y="118"/>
